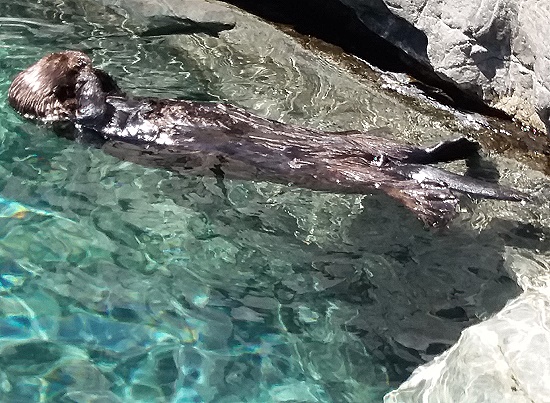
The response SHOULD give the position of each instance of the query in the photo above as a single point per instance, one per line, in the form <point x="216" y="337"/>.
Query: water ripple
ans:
<point x="125" y="283"/>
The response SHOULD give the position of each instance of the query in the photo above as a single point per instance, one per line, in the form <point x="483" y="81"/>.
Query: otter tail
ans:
<point x="424" y="174"/>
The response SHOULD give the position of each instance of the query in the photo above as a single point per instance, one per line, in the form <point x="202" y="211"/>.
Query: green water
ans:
<point x="123" y="283"/>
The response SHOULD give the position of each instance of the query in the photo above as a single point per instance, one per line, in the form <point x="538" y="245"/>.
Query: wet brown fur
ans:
<point x="45" y="90"/>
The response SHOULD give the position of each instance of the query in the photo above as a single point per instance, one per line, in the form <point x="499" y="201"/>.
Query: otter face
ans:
<point x="46" y="90"/>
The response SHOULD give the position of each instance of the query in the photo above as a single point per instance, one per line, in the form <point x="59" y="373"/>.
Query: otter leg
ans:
<point x="220" y="176"/>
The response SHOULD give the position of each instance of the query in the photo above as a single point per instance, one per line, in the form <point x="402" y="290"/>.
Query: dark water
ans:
<point x="123" y="283"/>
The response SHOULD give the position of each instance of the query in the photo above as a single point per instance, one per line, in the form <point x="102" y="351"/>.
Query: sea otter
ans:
<point x="217" y="138"/>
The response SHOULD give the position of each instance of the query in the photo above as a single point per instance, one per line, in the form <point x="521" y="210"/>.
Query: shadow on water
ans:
<point x="125" y="283"/>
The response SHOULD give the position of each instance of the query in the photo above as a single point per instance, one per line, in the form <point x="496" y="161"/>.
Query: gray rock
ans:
<point x="495" y="49"/>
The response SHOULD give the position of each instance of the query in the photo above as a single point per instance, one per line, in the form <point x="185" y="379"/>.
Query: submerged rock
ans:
<point x="176" y="17"/>
<point x="491" y="51"/>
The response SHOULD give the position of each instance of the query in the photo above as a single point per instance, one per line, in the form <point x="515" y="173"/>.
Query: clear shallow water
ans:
<point x="124" y="283"/>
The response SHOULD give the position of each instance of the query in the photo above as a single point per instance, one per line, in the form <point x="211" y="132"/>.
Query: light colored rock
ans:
<point x="504" y="359"/>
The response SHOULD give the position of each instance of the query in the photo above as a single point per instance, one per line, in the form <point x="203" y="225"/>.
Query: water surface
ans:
<point x="124" y="283"/>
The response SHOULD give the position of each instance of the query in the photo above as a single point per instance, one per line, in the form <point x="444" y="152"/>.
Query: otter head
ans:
<point x="46" y="90"/>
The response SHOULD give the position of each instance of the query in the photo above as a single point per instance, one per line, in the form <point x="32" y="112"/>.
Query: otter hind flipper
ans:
<point x="434" y="205"/>
<point x="432" y="202"/>
<point x="445" y="151"/>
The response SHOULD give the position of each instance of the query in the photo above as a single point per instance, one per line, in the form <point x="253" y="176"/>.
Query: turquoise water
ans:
<point x="124" y="283"/>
